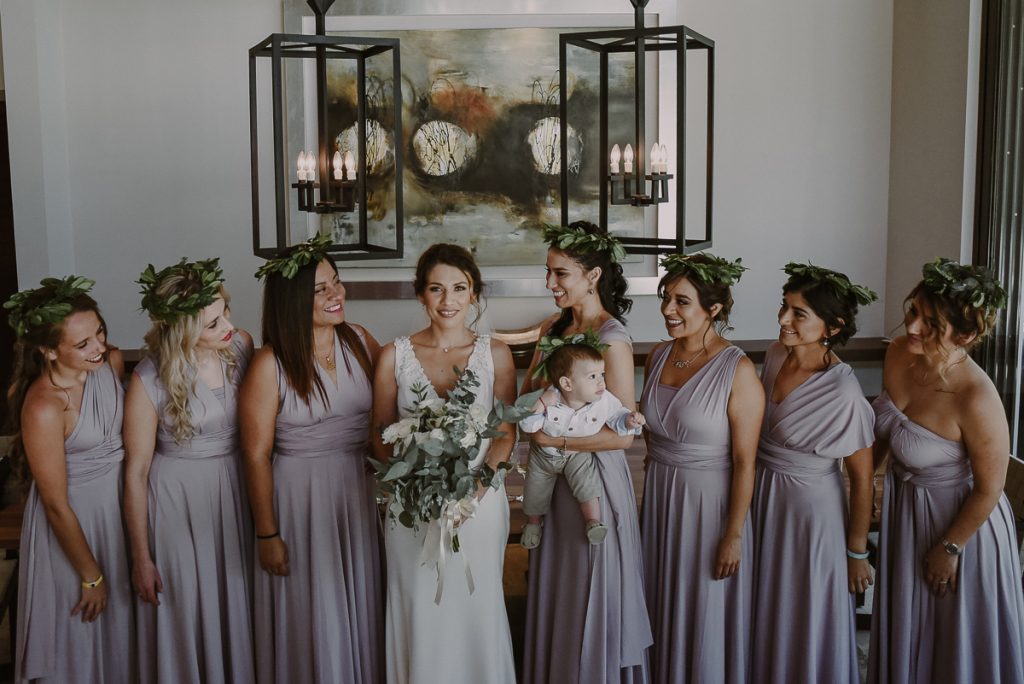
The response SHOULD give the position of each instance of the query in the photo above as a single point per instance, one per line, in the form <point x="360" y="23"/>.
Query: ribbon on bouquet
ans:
<point x="438" y="542"/>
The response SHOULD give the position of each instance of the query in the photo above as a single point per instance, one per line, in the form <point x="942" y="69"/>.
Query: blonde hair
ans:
<point x="172" y="346"/>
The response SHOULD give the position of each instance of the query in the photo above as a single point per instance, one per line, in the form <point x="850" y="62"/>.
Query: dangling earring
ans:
<point x="826" y="342"/>
<point x="590" y="290"/>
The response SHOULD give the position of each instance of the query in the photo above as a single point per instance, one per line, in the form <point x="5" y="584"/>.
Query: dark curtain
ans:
<point x="998" y="241"/>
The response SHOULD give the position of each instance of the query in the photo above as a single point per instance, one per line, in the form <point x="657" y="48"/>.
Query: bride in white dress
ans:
<point x="464" y="638"/>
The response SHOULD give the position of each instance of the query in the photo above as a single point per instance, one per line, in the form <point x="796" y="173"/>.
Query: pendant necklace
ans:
<point x="686" y="363"/>
<point x="328" y="360"/>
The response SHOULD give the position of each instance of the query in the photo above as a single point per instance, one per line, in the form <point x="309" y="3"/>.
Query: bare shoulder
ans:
<point x="116" y="360"/>
<point x="359" y="330"/>
<point x="43" y="408"/>
<point x="499" y="347"/>
<point x="263" y="363"/>
<point x="978" y="394"/>
<point x="387" y="353"/>
<point x="746" y="368"/>
<point x="246" y="337"/>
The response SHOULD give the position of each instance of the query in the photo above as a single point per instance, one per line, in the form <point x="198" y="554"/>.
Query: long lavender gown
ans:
<point x="586" y="618"/>
<point x="51" y="645"/>
<point x="200" y="536"/>
<point x="323" y="622"/>
<point x="701" y="624"/>
<point x="975" y="634"/>
<point x="803" y="609"/>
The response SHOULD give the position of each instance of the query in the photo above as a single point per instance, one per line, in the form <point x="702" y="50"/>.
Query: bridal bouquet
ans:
<point x="429" y="478"/>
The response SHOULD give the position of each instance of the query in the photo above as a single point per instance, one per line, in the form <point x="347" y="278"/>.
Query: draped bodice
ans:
<point x="214" y="413"/>
<point x="824" y="419"/>
<point x="95" y="444"/>
<point x="919" y="455"/>
<point x="689" y="425"/>
<point x="409" y="374"/>
<point x="319" y="428"/>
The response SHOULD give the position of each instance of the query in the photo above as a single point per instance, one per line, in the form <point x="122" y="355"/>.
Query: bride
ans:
<point x="465" y="637"/>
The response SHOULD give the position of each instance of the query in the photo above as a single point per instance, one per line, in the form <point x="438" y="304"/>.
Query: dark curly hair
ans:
<point x="611" y="286"/>
<point x="836" y="310"/>
<point x="708" y="294"/>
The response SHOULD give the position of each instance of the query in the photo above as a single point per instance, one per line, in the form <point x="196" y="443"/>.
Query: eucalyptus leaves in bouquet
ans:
<point x="429" y="473"/>
<point x="429" y="476"/>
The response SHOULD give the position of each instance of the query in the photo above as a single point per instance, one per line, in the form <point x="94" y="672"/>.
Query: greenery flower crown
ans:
<point x="838" y="282"/>
<point x="311" y="251"/>
<point x="24" y="314"/>
<point x="577" y="239"/>
<point x="206" y="274"/>
<point x="552" y="343"/>
<point x="967" y="285"/>
<point x="711" y="270"/>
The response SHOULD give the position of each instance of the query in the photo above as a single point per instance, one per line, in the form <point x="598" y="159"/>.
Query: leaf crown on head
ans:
<point x="837" y="282"/>
<point x="29" y="309"/>
<point x="967" y="285"/>
<point x="205" y="275"/>
<point x="311" y="251"/>
<point x="552" y="343"/>
<point x="575" y="238"/>
<point x="709" y="269"/>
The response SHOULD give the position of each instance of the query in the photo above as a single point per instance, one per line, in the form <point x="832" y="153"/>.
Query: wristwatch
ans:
<point x="951" y="548"/>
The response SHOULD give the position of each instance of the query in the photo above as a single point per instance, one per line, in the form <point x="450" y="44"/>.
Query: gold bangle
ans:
<point x="92" y="585"/>
<point x="565" y="443"/>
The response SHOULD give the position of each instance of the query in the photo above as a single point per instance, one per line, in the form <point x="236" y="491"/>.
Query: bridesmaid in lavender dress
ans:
<point x="75" y="617"/>
<point x="703" y="404"/>
<point x="185" y="509"/>
<point x="948" y="606"/>
<point x="810" y="555"/>
<point x="305" y="419"/>
<point x="586" y="618"/>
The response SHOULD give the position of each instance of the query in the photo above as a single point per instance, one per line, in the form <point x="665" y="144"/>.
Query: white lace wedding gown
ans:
<point x="466" y="637"/>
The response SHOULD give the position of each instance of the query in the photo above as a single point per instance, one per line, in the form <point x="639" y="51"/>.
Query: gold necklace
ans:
<point x="687" y="362"/>
<point x="328" y="359"/>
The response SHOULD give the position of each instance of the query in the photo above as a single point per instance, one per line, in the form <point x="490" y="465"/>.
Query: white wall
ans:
<point x="936" y="52"/>
<point x="133" y="117"/>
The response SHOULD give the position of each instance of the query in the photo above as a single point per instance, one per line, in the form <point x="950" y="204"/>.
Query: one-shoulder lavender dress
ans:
<point x="52" y="646"/>
<point x="701" y="625"/>
<point x="803" y="609"/>
<point x="975" y="634"/>
<point x="323" y="623"/>
<point x="200" y="536"/>
<point x="586" y="619"/>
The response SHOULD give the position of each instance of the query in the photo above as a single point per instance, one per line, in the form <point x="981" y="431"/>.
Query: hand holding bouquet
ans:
<point x="429" y="477"/>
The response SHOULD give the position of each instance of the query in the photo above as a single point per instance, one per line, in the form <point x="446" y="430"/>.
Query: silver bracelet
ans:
<point x="857" y="556"/>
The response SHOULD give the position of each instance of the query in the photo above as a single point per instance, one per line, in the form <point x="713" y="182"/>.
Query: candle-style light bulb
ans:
<point x="627" y="159"/>
<point x="350" y="163"/>
<point x="300" y="165"/>
<point x="655" y="158"/>
<point x="336" y="162"/>
<point x="664" y="158"/>
<point x="614" y="158"/>
<point x="310" y="166"/>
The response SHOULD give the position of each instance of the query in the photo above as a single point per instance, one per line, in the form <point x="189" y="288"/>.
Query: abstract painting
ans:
<point x="480" y="143"/>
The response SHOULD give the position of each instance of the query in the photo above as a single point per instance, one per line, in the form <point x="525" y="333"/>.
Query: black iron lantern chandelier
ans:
<point x="630" y="172"/>
<point x="339" y="96"/>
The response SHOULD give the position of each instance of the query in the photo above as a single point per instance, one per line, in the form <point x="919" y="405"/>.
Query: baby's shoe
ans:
<point x="596" y="531"/>
<point x="530" y="538"/>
